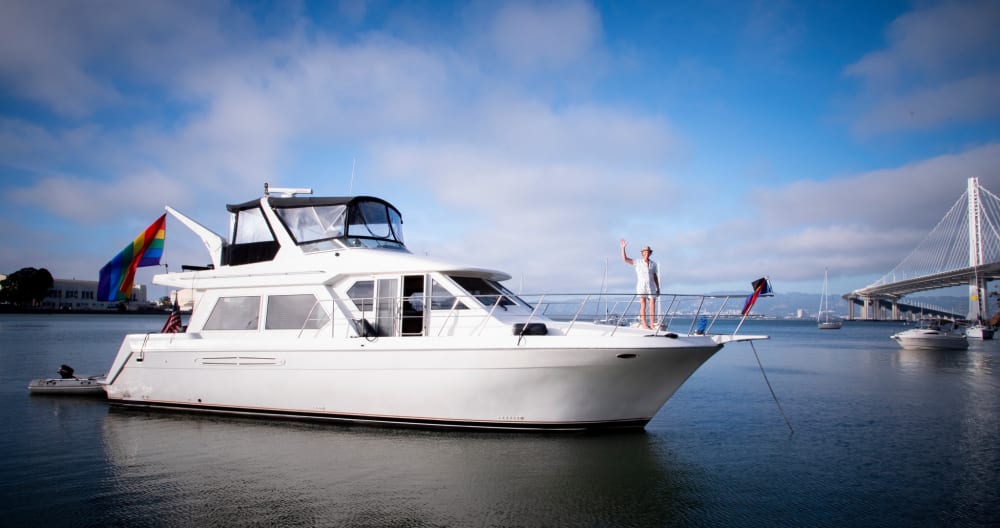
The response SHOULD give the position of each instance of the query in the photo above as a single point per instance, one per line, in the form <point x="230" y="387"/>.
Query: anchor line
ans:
<point x="782" y="411"/>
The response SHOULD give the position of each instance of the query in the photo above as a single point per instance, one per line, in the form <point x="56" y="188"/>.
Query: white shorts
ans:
<point x="645" y="290"/>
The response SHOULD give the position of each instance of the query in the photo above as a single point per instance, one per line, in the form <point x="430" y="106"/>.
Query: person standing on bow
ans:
<point x="648" y="285"/>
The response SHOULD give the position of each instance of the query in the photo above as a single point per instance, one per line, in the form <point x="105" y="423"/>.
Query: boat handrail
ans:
<point x="577" y="307"/>
<point x="704" y="312"/>
<point x="472" y="315"/>
<point x="575" y="316"/>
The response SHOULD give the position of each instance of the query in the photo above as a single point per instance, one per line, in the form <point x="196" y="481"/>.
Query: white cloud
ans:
<point x="969" y="99"/>
<point x="85" y="200"/>
<point x="76" y="57"/>
<point x="545" y="35"/>
<point x="920" y="192"/>
<point x="855" y="224"/>
<point x="939" y="67"/>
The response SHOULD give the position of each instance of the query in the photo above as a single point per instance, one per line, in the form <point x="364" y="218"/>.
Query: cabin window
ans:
<point x="442" y="299"/>
<point x="311" y="224"/>
<point x="251" y="227"/>
<point x="294" y="312"/>
<point x="387" y="307"/>
<point x="486" y="292"/>
<point x="362" y="294"/>
<point x="234" y="313"/>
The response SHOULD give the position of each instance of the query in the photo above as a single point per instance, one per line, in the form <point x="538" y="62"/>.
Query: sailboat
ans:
<point x="978" y="329"/>
<point x="825" y="318"/>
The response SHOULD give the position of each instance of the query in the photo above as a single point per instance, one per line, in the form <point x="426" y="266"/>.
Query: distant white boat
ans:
<point x="825" y="318"/>
<point x="933" y="334"/>
<point x="979" y="331"/>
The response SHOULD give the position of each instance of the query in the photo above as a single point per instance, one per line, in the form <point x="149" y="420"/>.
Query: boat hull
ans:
<point x="938" y="342"/>
<point x="831" y="325"/>
<point x="560" y="383"/>
<point x="978" y="332"/>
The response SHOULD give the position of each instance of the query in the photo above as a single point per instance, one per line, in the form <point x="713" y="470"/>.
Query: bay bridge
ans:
<point x="962" y="250"/>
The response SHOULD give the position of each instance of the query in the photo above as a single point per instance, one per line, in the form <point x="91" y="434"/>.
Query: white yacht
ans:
<point x="979" y="331"/>
<point x="313" y="308"/>
<point x="933" y="334"/>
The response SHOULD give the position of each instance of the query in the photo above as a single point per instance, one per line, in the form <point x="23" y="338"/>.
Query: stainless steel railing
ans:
<point x="677" y="313"/>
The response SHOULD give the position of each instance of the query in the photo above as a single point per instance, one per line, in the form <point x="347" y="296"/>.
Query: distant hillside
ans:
<point x="788" y="304"/>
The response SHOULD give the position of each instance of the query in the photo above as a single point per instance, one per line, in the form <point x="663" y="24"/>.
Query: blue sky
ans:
<point x="738" y="139"/>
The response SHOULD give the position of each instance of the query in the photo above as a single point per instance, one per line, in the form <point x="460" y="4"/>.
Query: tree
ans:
<point x="26" y="286"/>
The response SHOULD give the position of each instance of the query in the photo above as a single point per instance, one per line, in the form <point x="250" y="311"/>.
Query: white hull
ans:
<point x="978" y="332"/>
<point x="546" y="383"/>
<point x="919" y="339"/>
<point x="830" y="325"/>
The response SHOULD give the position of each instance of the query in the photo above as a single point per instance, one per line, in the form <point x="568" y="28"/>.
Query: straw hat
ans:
<point x="647" y="248"/>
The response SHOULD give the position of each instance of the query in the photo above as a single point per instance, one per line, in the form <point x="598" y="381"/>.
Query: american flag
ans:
<point x="173" y="324"/>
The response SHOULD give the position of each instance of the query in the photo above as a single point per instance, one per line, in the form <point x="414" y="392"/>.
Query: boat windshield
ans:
<point x="374" y="224"/>
<point x="311" y="224"/>
<point x="359" y="224"/>
<point x="936" y="324"/>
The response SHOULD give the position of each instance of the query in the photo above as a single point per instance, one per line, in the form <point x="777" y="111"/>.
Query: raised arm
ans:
<point x="624" y="256"/>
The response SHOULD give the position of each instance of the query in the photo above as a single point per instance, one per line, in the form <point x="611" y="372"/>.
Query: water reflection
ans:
<point x="929" y="359"/>
<point x="977" y="361"/>
<point x="965" y="389"/>
<point x="211" y="471"/>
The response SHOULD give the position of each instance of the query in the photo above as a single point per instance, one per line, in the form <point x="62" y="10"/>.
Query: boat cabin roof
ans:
<point x="279" y="202"/>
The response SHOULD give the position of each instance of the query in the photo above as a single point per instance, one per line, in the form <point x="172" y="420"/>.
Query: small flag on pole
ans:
<point x="118" y="275"/>
<point x="761" y="288"/>
<point x="173" y="324"/>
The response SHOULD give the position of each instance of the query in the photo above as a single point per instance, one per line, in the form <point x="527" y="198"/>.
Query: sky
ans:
<point x="737" y="139"/>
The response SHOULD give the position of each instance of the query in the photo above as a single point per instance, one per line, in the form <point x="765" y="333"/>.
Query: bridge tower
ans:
<point x="977" y="285"/>
<point x="941" y="261"/>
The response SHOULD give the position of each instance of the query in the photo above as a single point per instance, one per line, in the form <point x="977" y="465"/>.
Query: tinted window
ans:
<point x="442" y="299"/>
<point x="486" y="292"/>
<point x="363" y="294"/>
<point x="294" y="312"/>
<point x="234" y="313"/>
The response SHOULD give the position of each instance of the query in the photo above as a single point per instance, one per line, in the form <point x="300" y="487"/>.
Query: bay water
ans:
<point x="879" y="436"/>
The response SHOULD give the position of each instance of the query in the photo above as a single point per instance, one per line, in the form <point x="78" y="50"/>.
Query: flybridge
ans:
<point x="313" y="223"/>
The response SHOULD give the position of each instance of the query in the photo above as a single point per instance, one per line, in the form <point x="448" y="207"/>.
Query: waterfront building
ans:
<point x="73" y="294"/>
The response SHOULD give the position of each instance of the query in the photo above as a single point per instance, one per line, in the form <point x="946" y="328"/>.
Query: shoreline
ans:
<point x="6" y="309"/>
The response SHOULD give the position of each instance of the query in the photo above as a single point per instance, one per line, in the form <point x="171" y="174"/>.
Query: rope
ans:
<point x="782" y="411"/>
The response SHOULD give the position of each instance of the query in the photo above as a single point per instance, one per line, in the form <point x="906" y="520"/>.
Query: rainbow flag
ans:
<point x="118" y="275"/>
